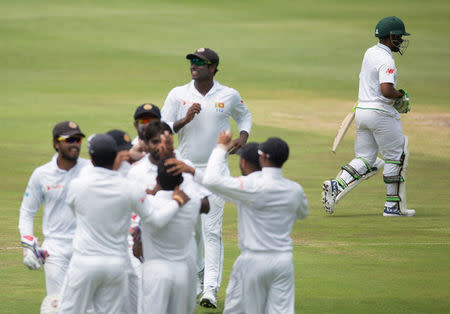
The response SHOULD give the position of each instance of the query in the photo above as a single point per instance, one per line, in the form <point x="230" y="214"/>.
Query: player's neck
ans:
<point x="204" y="86"/>
<point x="65" y="164"/>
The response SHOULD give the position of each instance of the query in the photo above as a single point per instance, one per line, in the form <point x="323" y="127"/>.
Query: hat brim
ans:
<point x="71" y="134"/>
<point x="195" y="56"/>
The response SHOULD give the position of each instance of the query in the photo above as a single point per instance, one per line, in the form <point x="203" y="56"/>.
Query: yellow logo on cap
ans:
<point x="200" y="49"/>
<point x="72" y="125"/>
<point x="126" y="138"/>
<point x="148" y="106"/>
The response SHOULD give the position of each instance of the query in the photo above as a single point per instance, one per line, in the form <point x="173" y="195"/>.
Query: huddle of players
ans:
<point x="164" y="194"/>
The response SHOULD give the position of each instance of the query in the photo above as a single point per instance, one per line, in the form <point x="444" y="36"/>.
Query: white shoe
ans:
<point x="209" y="299"/>
<point x="329" y="192"/>
<point x="394" y="211"/>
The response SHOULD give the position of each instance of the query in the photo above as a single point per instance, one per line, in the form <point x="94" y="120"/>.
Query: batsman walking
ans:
<point x="378" y="125"/>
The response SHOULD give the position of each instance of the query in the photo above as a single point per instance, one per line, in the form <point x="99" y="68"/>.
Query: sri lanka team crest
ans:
<point x="220" y="106"/>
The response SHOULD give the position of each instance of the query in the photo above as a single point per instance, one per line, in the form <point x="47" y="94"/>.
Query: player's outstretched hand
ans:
<point x="137" y="152"/>
<point x="154" y="190"/>
<point x="166" y="147"/>
<point x="175" y="167"/>
<point x="179" y="196"/>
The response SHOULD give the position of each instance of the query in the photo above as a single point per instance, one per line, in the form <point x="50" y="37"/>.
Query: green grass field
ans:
<point x="296" y="64"/>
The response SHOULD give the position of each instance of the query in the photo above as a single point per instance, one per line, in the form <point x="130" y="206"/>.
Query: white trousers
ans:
<point x="212" y="242"/>
<point x="261" y="282"/>
<point x="94" y="280"/>
<point x="133" y="284"/>
<point x="378" y="131"/>
<point x="166" y="287"/>
<point x="56" y="265"/>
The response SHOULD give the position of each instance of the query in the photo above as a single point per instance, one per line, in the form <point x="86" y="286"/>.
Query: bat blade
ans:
<point x="342" y="130"/>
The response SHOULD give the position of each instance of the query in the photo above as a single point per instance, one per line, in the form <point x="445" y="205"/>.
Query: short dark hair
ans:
<point x="167" y="180"/>
<point x="103" y="150"/>
<point x="276" y="149"/>
<point x="151" y="130"/>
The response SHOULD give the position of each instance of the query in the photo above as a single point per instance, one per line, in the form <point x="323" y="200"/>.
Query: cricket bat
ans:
<point x="343" y="129"/>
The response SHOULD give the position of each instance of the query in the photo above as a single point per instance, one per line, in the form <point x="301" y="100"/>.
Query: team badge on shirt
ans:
<point x="220" y="106"/>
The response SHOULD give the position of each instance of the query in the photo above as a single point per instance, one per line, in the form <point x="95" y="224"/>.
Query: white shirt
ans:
<point x="378" y="67"/>
<point x="173" y="241"/>
<point x="102" y="201"/>
<point x="197" y="139"/>
<point x="268" y="204"/>
<point x="48" y="184"/>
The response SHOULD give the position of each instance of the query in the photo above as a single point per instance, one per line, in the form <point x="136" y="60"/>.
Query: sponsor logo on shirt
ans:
<point x="220" y="106"/>
<point x="27" y="194"/>
<point x="54" y="187"/>
<point x="186" y="102"/>
<point x="390" y="71"/>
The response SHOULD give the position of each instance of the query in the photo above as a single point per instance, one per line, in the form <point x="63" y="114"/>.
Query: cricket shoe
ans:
<point x="394" y="211"/>
<point x="329" y="192"/>
<point x="209" y="299"/>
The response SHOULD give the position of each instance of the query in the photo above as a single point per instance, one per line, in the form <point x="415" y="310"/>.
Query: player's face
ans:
<point x="140" y="123"/>
<point x="201" y="70"/>
<point x="153" y="145"/>
<point x="69" y="148"/>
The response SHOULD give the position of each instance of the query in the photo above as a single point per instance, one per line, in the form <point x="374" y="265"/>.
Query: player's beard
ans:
<point x="68" y="155"/>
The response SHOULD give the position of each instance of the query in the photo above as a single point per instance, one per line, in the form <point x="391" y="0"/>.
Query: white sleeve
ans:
<point x="216" y="179"/>
<point x="241" y="114"/>
<point x="169" y="111"/>
<point x="387" y="73"/>
<point x="151" y="210"/>
<point x="31" y="202"/>
<point x="303" y="207"/>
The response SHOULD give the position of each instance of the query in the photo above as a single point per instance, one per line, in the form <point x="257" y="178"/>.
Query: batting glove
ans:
<point x="33" y="256"/>
<point x="402" y="104"/>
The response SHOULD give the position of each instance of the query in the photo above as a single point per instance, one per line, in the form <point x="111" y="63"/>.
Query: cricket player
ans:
<point x="48" y="185"/>
<point x="262" y="279"/>
<point x="102" y="202"/>
<point x="169" y="270"/>
<point x="197" y="111"/>
<point x="378" y="125"/>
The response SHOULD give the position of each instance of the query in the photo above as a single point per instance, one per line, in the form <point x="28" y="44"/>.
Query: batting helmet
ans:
<point x="390" y="25"/>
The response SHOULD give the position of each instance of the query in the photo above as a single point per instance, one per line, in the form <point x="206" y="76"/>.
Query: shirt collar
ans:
<point x="210" y="92"/>
<point x="272" y="171"/>
<point x="164" y="194"/>
<point x="104" y="172"/>
<point x="384" y="47"/>
<point x="55" y="164"/>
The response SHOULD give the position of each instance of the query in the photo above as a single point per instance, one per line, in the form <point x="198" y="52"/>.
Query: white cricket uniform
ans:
<point x="262" y="279"/>
<point x="48" y="184"/>
<point x="377" y="121"/>
<point x="196" y="140"/>
<point x="169" y="274"/>
<point x="102" y="202"/>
